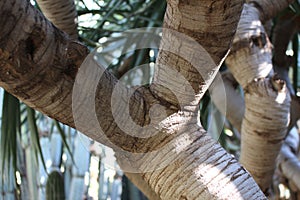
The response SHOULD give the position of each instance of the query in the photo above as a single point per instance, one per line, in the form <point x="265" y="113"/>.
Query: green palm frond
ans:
<point x="116" y="16"/>
<point x="10" y="127"/>
<point x="64" y="139"/>
<point x="34" y="134"/>
<point x="295" y="7"/>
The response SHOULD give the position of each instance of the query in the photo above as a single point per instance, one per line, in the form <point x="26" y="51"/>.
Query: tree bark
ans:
<point x="62" y="14"/>
<point x="287" y="162"/>
<point x="211" y="25"/>
<point x="286" y="26"/>
<point x="142" y="185"/>
<point x="39" y="64"/>
<point x="267" y="100"/>
<point x="269" y="9"/>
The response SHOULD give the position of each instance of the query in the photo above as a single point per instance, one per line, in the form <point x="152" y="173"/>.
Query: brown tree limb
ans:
<point x="203" y="22"/>
<point x="140" y="183"/>
<point x="288" y="163"/>
<point x="287" y="25"/>
<point x="39" y="65"/>
<point x="62" y="14"/>
<point x="268" y="8"/>
<point x="266" y="117"/>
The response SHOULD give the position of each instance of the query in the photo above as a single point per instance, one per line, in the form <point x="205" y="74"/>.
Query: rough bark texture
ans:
<point x="250" y="46"/>
<point x="39" y="64"/>
<point x="288" y="162"/>
<point x="210" y="24"/>
<point x="142" y="185"/>
<point x="62" y="14"/>
<point x="261" y="143"/>
<point x="267" y="100"/>
<point x="287" y="25"/>
<point x="269" y="9"/>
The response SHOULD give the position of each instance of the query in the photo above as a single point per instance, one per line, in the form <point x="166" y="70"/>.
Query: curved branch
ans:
<point x="140" y="183"/>
<point x="266" y="117"/>
<point x="269" y="8"/>
<point x="39" y="65"/>
<point x="62" y="14"/>
<point x="288" y="162"/>
<point x="211" y="26"/>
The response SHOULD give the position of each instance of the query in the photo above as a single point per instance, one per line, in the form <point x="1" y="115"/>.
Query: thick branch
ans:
<point x="288" y="163"/>
<point x="267" y="100"/>
<point x="39" y="65"/>
<point x="285" y="28"/>
<point x="270" y="8"/>
<point x="208" y="28"/>
<point x="62" y="14"/>
<point x="38" y="62"/>
<point x="142" y="185"/>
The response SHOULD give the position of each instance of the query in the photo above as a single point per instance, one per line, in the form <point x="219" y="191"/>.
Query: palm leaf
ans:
<point x="9" y="129"/>
<point x="34" y="134"/>
<point x="63" y="137"/>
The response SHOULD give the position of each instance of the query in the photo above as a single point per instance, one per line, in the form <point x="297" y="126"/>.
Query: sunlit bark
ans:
<point x="267" y="99"/>
<point x="62" y="14"/>
<point x="288" y="162"/>
<point x="269" y="9"/>
<point x="39" y="64"/>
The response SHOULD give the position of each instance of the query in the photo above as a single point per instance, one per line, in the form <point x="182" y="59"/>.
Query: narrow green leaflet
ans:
<point x="9" y="129"/>
<point x="34" y="134"/>
<point x="63" y="137"/>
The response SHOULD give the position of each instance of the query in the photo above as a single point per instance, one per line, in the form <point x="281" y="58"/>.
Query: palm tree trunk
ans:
<point x="267" y="99"/>
<point x="142" y="185"/>
<point x="190" y="164"/>
<point x="62" y="14"/>
<point x="269" y="9"/>
<point x="288" y="163"/>
<point x="283" y="33"/>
